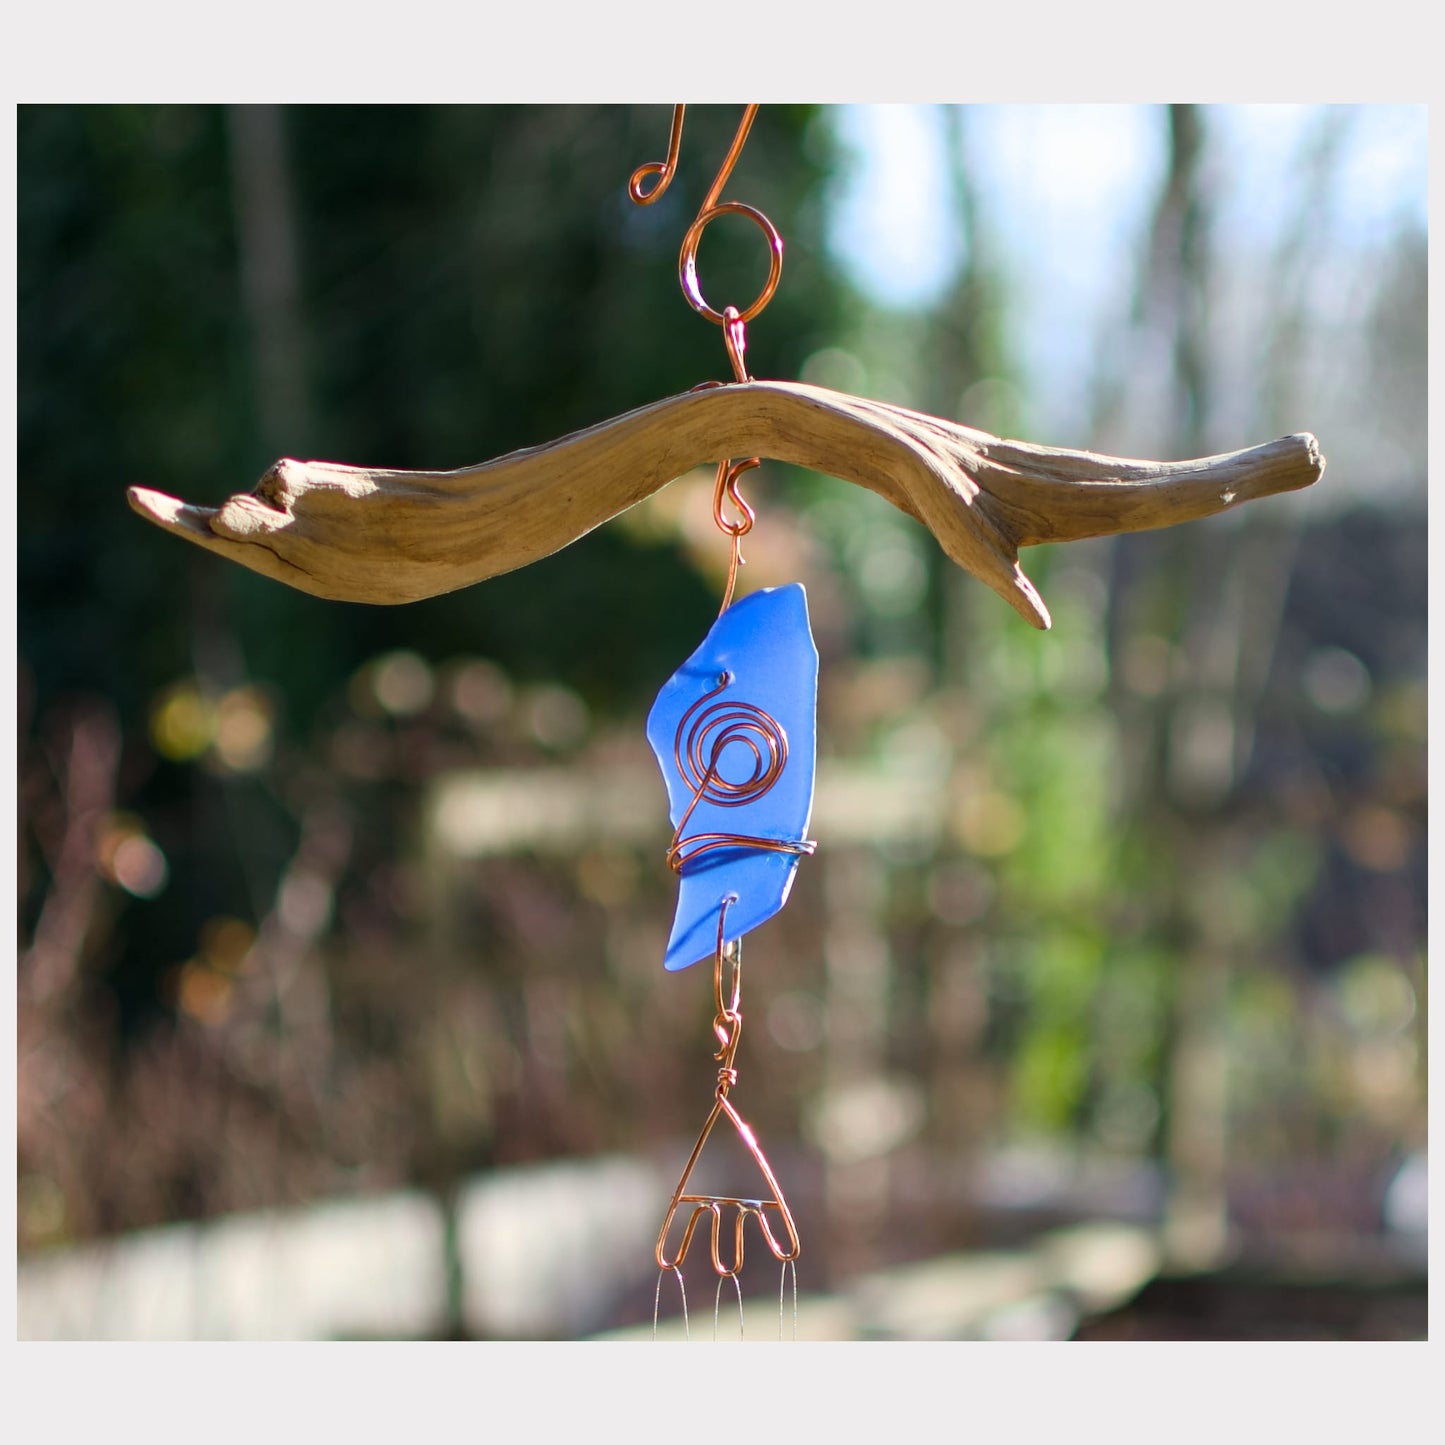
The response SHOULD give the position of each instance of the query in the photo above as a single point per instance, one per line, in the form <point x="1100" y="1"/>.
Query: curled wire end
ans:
<point x="652" y="168"/>
<point x="663" y="170"/>
<point x="724" y="1027"/>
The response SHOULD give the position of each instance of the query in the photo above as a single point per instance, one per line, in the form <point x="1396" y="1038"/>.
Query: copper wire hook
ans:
<point x="726" y="488"/>
<point x="711" y="209"/>
<point x="732" y="321"/>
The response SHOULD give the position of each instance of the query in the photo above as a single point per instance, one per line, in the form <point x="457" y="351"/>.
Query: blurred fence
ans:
<point x="545" y="1252"/>
<point x="564" y="1250"/>
<point x="524" y="1253"/>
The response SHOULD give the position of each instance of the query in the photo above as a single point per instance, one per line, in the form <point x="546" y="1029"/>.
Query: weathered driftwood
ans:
<point x="360" y="535"/>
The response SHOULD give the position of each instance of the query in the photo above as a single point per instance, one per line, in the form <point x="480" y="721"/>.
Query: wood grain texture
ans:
<point x="357" y="534"/>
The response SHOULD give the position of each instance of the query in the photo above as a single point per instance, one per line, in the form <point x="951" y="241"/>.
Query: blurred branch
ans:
<point x="49" y="965"/>
<point x="266" y="239"/>
<point x="1176" y="280"/>
<point x="281" y="977"/>
<point x="362" y="535"/>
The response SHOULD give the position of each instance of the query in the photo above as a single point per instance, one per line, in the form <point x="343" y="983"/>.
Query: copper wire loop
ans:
<point x="687" y="261"/>
<point x="703" y="735"/>
<point x="711" y="209"/>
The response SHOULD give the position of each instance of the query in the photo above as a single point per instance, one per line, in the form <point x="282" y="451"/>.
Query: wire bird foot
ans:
<point x="714" y="1205"/>
<point x="769" y="1209"/>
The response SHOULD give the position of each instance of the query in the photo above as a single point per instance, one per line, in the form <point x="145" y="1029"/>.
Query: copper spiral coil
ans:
<point x="703" y="735"/>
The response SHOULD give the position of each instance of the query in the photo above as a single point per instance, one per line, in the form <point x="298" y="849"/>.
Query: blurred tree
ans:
<point x="202" y="288"/>
<point x="396" y="285"/>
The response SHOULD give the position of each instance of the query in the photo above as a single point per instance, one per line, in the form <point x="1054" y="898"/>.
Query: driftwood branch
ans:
<point x="356" y="534"/>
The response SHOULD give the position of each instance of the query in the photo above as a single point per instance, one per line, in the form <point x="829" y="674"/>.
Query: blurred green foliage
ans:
<point x="471" y="280"/>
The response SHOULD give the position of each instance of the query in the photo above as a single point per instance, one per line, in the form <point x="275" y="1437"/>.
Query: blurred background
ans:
<point x="1100" y="1012"/>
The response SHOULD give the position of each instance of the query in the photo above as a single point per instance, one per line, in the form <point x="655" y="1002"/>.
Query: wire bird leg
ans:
<point x="727" y="1026"/>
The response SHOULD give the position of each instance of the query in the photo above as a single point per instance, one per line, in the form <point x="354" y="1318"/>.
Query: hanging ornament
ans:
<point x="734" y="731"/>
<point x="734" y="728"/>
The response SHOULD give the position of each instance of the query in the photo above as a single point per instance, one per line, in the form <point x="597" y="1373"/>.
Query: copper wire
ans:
<point x="725" y="488"/>
<point x="728" y="1027"/>
<point x="711" y="209"/>
<point x="707" y="729"/>
<point x="732" y="321"/>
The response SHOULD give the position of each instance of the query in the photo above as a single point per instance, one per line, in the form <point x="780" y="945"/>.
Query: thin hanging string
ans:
<point x="682" y="1288"/>
<point x="788" y="1264"/>
<point x="789" y="1271"/>
<point x="717" y="1306"/>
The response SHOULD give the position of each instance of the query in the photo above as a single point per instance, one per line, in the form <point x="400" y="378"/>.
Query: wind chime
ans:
<point x="734" y="728"/>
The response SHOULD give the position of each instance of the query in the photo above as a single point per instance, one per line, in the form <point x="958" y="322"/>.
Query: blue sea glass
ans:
<point x="763" y="647"/>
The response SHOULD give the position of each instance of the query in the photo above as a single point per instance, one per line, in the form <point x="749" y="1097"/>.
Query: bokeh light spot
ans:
<point x="892" y="575"/>
<point x="127" y="856"/>
<point x="182" y="723"/>
<point x="1336" y="681"/>
<point x="795" y="1021"/>
<point x="989" y="823"/>
<point x="244" y="729"/>
<point x="480" y="693"/>
<point x="202" y="992"/>
<point x="1377" y="838"/>
<point x="225" y="942"/>
<point x="556" y="717"/>
<point x="402" y="683"/>
<point x="140" y="867"/>
<point x="1375" y="997"/>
